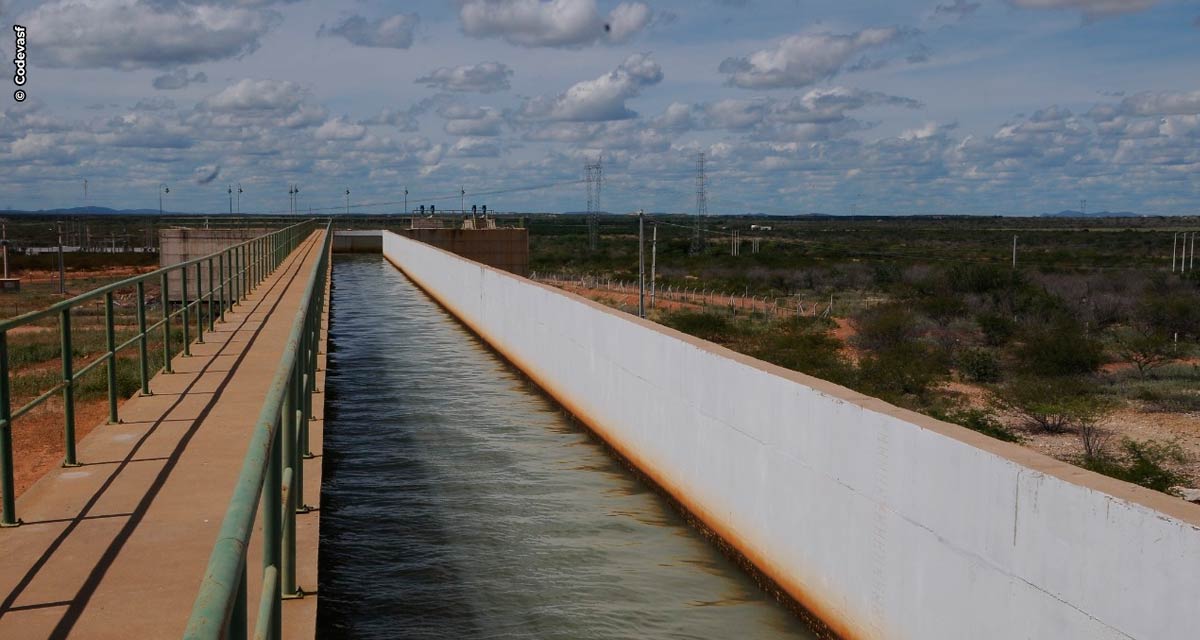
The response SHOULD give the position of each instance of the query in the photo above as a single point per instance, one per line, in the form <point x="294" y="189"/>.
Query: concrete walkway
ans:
<point x="117" y="547"/>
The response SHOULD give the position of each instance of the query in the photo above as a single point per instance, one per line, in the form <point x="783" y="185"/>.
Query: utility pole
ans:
<point x="462" y="203"/>
<point x="653" y="264"/>
<point x="405" y="200"/>
<point x="641" y="263"/>
<point x="230" y="199"/>
<point x="701" y="203"/>
<point x="347" y="202"/>
<point x="62" y="284"/>
<point x="239" y="199"/>
<point x="1174" y="248"/>
<point x="1014" y="252"/>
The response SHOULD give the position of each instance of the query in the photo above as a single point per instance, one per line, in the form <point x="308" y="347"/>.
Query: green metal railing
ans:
<point x="272" y="475"/>
<point x="231" y="273"/>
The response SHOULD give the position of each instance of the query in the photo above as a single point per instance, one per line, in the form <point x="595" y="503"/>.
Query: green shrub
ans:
<point x="979" y="365"/>
<point x="1060" y="349"/>
<point x="803" y="345"/>
<point x="1053" y="405"/>
<point x="943" y="306"/>
<point x="997" y="329"/>
<point x="1144" y="463"/>
<point x="980" y="278"/>
<point x="978" y="420"/>
<point x="707" y="326"/>
<point x="905" y="369"/>
<point x="886" y="326"/>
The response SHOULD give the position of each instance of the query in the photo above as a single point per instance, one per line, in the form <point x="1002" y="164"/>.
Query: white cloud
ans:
<point x="551" y="23"/>
<point x="600" y="99"/>
<point x="467" y="121"/>
<point x="257" y="95"/>
<point x="1090" y="8"/>
<point x="340" y="129"/>
<point x="392" y="32"/>
<point x="127" y="34"/>
<point x="485" y="77"/>
<point x="801" y="60"/>
<point x="474" y="148"/>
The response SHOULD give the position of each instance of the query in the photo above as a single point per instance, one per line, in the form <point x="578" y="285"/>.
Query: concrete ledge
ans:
<point x="883" y="522"/>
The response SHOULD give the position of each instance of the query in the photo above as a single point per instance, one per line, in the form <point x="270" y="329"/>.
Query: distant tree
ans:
<point x="1143" y="347"/>
<point x="1059" y="348"/>
<point x="1052" y="405"/>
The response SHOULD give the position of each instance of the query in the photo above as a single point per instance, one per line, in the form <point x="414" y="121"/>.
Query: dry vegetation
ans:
<point x="1093" y="364"/>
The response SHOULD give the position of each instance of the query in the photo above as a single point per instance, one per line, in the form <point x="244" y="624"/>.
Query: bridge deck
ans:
<point x="117" y="547"/>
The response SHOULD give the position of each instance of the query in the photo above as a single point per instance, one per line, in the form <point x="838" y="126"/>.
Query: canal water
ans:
<point x="459" y="502"/>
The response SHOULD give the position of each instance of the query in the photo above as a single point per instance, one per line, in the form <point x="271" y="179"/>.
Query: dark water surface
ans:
<point x="458" y="502"/>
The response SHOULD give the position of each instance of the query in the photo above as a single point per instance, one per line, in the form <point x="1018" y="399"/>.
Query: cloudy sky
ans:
<point x="906" y="106"/>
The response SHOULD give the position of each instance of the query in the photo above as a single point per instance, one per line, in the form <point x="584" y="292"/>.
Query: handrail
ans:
<point x="231" y="273"/>
<point x="30" y="316"/>
<point x="272" y="473"/>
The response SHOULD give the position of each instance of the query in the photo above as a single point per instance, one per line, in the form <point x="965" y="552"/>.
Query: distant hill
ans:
<point x="1068" y="213"/>
<point x="86" y="211"/>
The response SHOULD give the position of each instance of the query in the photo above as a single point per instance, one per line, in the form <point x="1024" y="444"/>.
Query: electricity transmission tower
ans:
<point x="701" y="204"/>
<point x="594" y="176"/>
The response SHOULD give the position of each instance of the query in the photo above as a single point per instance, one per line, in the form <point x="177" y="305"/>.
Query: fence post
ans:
<point x="110" y="341"/>
<point x="143" y="346"/>
<point x="68" y="376"/>
<point x="8" y="492"/>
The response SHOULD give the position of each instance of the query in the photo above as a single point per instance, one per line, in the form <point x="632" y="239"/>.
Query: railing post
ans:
<point x="221" y="275"/>
<point x="272" y="513"/>
<point x="287" y="430"/>
<point x="110" y="341"/>
<point x="212" y="287"/>
<point x="237" y="619"/>
<point x="166" y="314"/>
<point x="68" y="377"/>
<point x="199" y="305"/>
<point x="8" y="492"/>
<point x="186" y="320"/>
<point x="245" y="251"/>
<point x="143" y="346"/>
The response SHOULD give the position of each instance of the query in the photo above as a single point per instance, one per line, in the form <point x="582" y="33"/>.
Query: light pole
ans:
<point x="406" y="200"/>
<point x="462" y="202"/>
<point x="239" y="198"/>
<point x="347" y="202"/>
<point x="162" y="188"/>
<point x="230" y="199"/>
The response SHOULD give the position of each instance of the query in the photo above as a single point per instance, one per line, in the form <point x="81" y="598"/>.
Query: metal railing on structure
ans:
<point x="272" y="474"/>
<point x="231" y="274"/>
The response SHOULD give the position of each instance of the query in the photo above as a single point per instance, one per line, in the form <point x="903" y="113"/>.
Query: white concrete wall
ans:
<point x="884" y="523"/>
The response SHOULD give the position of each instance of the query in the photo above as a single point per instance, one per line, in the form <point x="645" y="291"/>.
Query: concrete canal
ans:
<point x="459" y="502"/>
